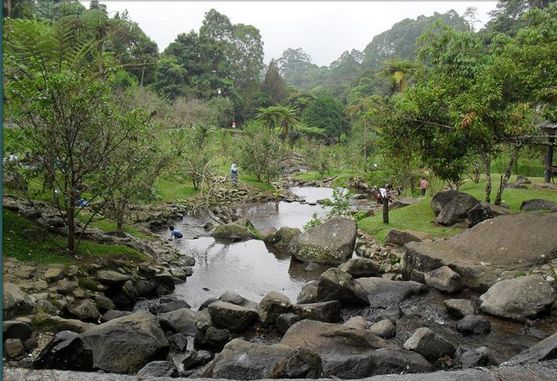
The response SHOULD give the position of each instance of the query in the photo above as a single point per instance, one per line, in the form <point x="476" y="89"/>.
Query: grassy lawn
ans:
<point x="174" y="189"/>
<point x="26" y="241"/>
<point x="420" y="217"/>
<point x="108" y="225"/>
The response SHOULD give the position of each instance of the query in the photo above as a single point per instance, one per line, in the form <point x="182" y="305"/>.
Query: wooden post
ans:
<point x="385" y="201"/>
<point x="548" y="161"/>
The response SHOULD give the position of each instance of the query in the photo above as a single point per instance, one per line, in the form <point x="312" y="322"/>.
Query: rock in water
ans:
<point x="544" y="350"/>
<point x="285" y="321"/>
<point x="458" y="308"/>
<point x="231" y="316"/>
<point x="232" y="232"/>
<point x="179" y="321"/>
<point x="335" y="284"/>
<point x="242" y="360"/>
<point x="383" y="293"/>
<point x="331" y="242"/>
<point x="282" y="237"/>
<point x="126" y="344"/>
<point x="308" y="293"/>
<point x="473" y="325"/>
<point x="324" y="311"/>
<point x="429" y="344"/>
<point x="518" y="298"/>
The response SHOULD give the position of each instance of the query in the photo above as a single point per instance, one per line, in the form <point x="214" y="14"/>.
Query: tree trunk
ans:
<point x="142" y="75"/>
<point x="70" y="210"/>
<point x="385" y="201"/>
<point x="505" y="178"/>
<point x="487" y="162"/>
<point x="548" y="161"/>
<point x="365" y="145"/>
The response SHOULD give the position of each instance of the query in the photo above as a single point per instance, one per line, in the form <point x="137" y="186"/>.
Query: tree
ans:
<point x="273" y="85"/>
<point x="278" y="117"/>
<point x="261" y="152"/>
<point x="327" y="114"/>
<point x="66" y="111"/>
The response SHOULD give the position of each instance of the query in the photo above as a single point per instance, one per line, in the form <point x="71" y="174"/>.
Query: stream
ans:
<point x="251" y="269"/>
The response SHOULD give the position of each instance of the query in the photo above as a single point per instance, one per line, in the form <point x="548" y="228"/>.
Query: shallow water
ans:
<point x="248" y="268"/>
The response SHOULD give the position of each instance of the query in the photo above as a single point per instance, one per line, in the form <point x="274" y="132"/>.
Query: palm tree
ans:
<point x="397" y="71"/>
<point x="278" y="117"/>
<point x="364" y="108"/>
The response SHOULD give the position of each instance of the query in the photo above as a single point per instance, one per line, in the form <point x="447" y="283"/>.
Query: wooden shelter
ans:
<point x="549" y="131"/>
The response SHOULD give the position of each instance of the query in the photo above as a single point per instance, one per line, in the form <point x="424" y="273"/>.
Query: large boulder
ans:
<point x="231" y="316"/>
<point x="538" y="204"/>
<point x="242" y="360"/>
<point x="111" y="278"/>
<point x="55" y="324"/>
<point x="544" y="350"/>
<point x="282" y="237"/>
<point x="456" y="209"/>
<point x="65" y="352"/>
<point x="85" y="310"/>
<point x="179" y="321"/>
<point x="344" y="350"/>
<point x="439" y="200"/>
<point x="15" y="329"/>
<point x="519" y="298"/>
<point x="479" y="213"/>
<point x="233" y="298"/>
<point x="330" y="242"/>
<point x="126" y="344"/>
<point x="16" y="302"/>
<point x="324" y="311"/>
<point x="273" y="305"/>
<point x="473" y="325"/>
<point x="482" y="253"/>
<point x="458" y="308"/>
<point x="308" y="293"/>
<point x="429" y="344"/>
<point x="360" y="267"/>
<point x="383" y="293"/>
<point x="335" y="284"/>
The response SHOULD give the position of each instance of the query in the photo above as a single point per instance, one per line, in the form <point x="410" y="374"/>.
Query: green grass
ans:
<point x="174" y="189"/>
<point x="252" y="180"/>
<point x="108" y="225"/>
<point x="26" y="241"/>
<point x="420" y="217"/>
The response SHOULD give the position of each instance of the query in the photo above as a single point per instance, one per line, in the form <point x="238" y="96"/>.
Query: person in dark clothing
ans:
<point x="174" y="233"/>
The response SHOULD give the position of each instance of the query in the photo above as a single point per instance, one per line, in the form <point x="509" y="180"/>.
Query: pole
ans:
<point x="385" y="201"/>
<point x="548" y="161"/>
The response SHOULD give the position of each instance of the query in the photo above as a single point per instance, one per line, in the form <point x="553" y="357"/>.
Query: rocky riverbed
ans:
<point x="383" y="310"/>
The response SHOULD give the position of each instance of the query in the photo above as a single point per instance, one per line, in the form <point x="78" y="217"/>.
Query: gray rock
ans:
<point x="242" y="360"/>
<point x="542" y="351"/>
<point x="15" y="329"/>
<point x="13" y="348"/>
<point x="114" y="314"/>
<point x="385" y="329"/>
<point x="285" y="321"/>
<point x="518" y="298"/>
<point x="481" y="254"/>
<point x="196" y="359"/>
<point x="232" y="232"/>
<point x="308" y="293"/>
<point x="282" y="237"/>
<point x="169" y="306"/>
<point x="439" y="200"/>
<point x="203" y="320"/>
<point x="16" y="302"/>
<point x="53" y="274"/>
<point x="324" y="311"/>
<point x="481" y="356"/>
<point x="213" y="338"/>
<point x="330" y="242"/>
<point x="473" y="325"/>
<point x="356" y="322"/>
<point x="57" y="324"/>
<point x="383" y="293"/>
<point x="231" y="316"/>
<point x="389" y="361"/>
<point x="85" y="310"/>
<point x="443" y="279"/>
<point x="400" y="237"/>
<point x="178" y="342"/>
<point x="344" y="350"/>
<point x="110" y="277"/>
<point x="273" y="305"/>
<point x="179" y="321"/>
<point x="103" y="303"/>
<point x="479" y="213"/>
<point x="429" y="344"/>
<point x="66" y="352"/>
<point x="360" y="267"/>
<point x="538" y="204"/>
<point x="158" y="369"/>
<point x="233" y="298"/>
<point x="335" y="284"/>
<point x="456" y="209"/>
<point x="458" y="308"/>
<point x="138" y="335"/>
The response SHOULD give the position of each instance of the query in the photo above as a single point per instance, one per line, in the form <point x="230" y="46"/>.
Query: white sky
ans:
<point x="324" y="29"/>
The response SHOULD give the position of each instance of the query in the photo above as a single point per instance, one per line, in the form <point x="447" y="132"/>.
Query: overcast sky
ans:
<point x="324" y="29"/>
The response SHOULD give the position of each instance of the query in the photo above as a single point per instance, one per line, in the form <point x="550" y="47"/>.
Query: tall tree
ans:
<point x="273" y="85"/>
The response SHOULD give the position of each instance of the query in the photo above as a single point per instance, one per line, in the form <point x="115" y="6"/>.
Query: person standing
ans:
<point x="234" y="174"/>
<point x="384" y="192"/>
<point x="423" y="186"/>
